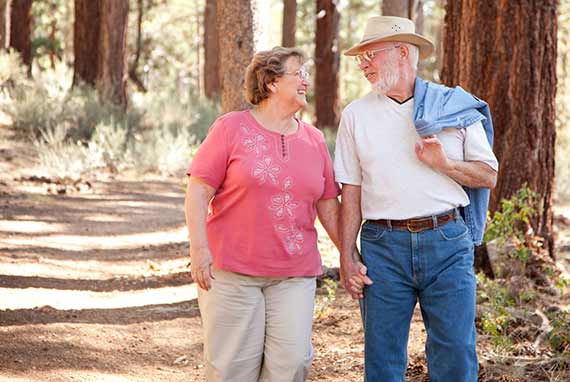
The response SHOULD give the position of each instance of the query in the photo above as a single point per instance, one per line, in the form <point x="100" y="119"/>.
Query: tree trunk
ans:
<point x="327" y="63"/>
<point x="417" y="15"/>
<point x="52" y="34"/>
<point x="289" y="23"/>
<point x="86" y="34"/>
<point x="235" y="35"/>
<point x="21" y="30"/>
<point x="513" y="67"/>
<point x="211" y="51"/>
<point x="5" y="24"/>
<point x="439" y="48"/>
<point x="112" y="65"/>
<point x="133" y="71"/>
<point x="411" y="9"/>
<point x="400" y="8"/>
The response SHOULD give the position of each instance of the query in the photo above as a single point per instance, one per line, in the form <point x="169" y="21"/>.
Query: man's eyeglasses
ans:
<point x="369" y="55"/>
<point x="302" y="73"/>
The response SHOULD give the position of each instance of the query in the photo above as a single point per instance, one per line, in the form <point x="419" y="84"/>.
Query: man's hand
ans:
<point x="430" y="151"/>
<point x="201" y="267"/>
<point x="353" y="275"/>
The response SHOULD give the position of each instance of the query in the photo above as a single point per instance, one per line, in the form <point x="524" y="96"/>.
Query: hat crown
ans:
<point x="381" y="26"/>
<point x="394" y="29"/>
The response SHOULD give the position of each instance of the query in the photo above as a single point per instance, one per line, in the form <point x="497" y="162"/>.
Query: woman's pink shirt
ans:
<point x="261" y="219"/>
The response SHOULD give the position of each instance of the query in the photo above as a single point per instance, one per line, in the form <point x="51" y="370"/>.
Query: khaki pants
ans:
<point x="257" y="329"/>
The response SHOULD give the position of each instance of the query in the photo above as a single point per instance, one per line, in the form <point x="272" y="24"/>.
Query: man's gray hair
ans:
<point x="414" y="57"/>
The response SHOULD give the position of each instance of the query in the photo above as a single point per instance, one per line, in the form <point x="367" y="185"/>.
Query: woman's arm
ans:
<point x="198" y="196"/>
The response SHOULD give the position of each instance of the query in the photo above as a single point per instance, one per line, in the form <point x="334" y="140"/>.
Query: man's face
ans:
<point x="379" y="64"/>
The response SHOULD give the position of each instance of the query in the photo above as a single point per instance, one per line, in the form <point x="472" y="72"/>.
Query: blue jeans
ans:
<point x="435" y="267"/>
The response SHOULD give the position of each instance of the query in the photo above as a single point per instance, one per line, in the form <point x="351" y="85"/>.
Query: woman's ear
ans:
<point x="272" y="87"/>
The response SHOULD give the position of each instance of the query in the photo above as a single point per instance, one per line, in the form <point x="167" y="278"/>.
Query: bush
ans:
<point x="12" y="71"/>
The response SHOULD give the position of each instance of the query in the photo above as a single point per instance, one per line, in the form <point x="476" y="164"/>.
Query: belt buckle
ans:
<point x="411" y="229"/>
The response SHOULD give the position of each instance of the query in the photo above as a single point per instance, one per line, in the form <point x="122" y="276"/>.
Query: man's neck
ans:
<point x="404" y="89"/>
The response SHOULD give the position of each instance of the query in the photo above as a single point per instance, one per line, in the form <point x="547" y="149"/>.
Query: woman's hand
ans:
<point x="201" y="267"/>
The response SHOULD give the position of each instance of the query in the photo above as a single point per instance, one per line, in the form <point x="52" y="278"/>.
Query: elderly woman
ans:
<point x="265" y="175"/>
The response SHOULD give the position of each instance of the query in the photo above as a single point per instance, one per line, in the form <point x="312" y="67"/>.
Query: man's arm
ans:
<point x="471" y="174"/>
<point x="352" y="271"/>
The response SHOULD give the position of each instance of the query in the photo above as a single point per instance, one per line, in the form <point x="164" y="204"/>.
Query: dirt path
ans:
<point x="94" y="285"/>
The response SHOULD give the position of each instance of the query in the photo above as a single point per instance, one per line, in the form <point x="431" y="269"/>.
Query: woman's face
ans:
<point x="292" y="86"/>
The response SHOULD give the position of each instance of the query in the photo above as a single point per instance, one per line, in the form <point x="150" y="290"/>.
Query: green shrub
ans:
<point x="510" y="222"/>
<point x="559" y="335"/>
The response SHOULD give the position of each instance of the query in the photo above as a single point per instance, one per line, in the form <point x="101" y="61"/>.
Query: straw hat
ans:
<point x="390" y="28"/>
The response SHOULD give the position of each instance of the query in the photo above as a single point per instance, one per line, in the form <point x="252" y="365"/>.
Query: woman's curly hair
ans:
<point x="265" y="67"/>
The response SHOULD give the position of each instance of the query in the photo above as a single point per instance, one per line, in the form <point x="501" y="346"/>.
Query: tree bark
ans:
<point x="86" y="34"/>
<point x="53" y="31"/>
<point x="211" y="51"/>
<point x="112" y="65"/>
<point x="133" y="71"/>
<point x="5" y="24"/>
<point x="512" y="65"/>
<point x="411" y="9"/>
<point x="400" y="8"/>
<point x="21" y="30"/>
<point x="289" y="23"/>
<point x="327" y="63"/>
<point x="235" y="35"/>
<point x="417" y="15"/>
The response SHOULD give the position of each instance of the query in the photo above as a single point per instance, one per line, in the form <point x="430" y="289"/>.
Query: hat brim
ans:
<point x="425" y="46"/>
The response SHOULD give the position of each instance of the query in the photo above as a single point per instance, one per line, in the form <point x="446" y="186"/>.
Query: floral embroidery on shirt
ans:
<point x="244" y="128"/>
<point x="265" y="169"/>
<point x="294" y="238"/>
<point x="254" y="141"/>
<point x="287" y="183"/>
<point x="283" y="204"/>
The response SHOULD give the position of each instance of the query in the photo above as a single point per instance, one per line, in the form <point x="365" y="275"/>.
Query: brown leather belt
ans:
<point x="417" y="224"/>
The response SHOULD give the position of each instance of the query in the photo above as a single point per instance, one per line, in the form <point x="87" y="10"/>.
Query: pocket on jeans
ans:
<point x="454" y="230"/>
<point x="372" y="231"/>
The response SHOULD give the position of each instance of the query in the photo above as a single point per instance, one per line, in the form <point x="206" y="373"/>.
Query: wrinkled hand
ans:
<point x="430" y="151"/>
<point x="353" y="275"/>
<point x="201" y="267"/>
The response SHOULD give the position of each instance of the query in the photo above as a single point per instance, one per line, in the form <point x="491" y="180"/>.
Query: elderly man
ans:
<point x="416" y="164"/>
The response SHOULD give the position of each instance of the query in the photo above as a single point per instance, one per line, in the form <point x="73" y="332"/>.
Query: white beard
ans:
<point x="388" y="78"/>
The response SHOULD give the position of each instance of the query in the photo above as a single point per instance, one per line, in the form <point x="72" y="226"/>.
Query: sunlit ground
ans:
<point x="74" y="299"/>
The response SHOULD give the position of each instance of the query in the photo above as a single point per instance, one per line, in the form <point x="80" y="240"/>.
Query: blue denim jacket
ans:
<point x="437" y="107"/>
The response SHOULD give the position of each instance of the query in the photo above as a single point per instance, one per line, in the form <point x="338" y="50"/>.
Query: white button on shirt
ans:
<point x="375" y="150"/>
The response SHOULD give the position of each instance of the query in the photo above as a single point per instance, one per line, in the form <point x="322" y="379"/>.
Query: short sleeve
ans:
<point x="477" y="148"/>
<point x="332" y="190"/>
<point x="210" y="162"/>
<point x="346" y="162"/>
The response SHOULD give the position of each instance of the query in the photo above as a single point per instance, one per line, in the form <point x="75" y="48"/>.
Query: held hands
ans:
<point x="353" y="275"/>
<point x="201" y="267"/>
<point x="430" y="151"/>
